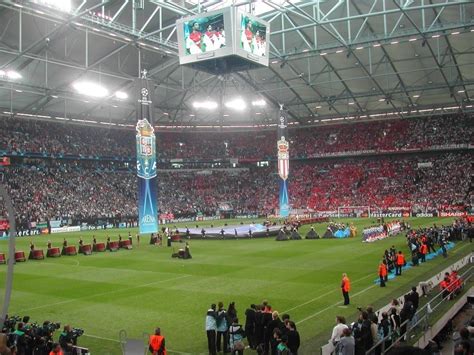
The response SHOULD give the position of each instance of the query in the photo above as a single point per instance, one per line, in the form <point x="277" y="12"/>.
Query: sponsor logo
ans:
<point x="452" y="214"/>
<point x="148" y="218"/>
<point x="390" y="214"/>
<point x="282" y="124"/>
<point x="424" y="214"/>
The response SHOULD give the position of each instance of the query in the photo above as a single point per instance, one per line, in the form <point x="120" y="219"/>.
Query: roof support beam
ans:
<point x="52" y="32"/>
<point x="426" y="41"/>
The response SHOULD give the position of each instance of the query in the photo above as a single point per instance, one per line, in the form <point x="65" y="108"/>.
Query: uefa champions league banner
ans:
<point x="283" y="145"/>
<point x="146" y="161"/>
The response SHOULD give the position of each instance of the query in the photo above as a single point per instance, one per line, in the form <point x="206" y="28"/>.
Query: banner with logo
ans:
<point x="283" y="155"/>
<point x="146" y="160"/>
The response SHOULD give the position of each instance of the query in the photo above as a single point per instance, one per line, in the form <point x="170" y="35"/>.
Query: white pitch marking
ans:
<point x="332" y="306"/>
<point x="321" y="296"/>
<point x="103" y="294"/>
<point x="118" y="341"/>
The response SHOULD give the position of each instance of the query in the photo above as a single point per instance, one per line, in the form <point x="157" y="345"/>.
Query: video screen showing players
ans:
<point x="253" y="36"/>
<point x="204" y="34"/>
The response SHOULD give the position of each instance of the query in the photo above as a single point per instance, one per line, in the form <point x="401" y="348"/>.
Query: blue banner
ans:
<point x="283" y="154"/>
<point x="284" y="202"/>
<point x="146" y="162"/>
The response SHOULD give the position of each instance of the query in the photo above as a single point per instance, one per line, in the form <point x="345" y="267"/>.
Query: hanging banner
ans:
<point x="146" y="161"/>
<point x="283" y="154"/>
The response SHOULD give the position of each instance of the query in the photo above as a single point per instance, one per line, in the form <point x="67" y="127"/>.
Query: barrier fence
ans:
<point x="421" y="320"/>
<point x="423" y="288"/>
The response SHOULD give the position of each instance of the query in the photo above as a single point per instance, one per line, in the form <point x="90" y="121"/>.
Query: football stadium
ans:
<point x="271" y="177"/>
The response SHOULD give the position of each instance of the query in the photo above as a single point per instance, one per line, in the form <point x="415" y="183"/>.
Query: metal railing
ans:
<point x="421" y="320"/>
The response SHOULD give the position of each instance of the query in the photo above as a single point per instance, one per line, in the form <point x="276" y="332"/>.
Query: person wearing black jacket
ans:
<point x="414" y="298"/>
<point x="270" y="340"/>
<point x="366" y="331"/>
<point x="293" y="337"/>
<point x="406" y="314"/>
<point x="66" y="339"/>
<point x="259" y="325"/>
<point x="250" y="326"/>
<point x="384" y="329"/>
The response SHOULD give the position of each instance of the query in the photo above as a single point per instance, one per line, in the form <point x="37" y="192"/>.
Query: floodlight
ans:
<point x="90" y="89"/>
<point x="209" y="105"/>
<point x="236" y="104"/>
<point x="13" y="75"/>
<point x="121" y="95"/>
<point x="259" y="103"/>
<point x="63" y="5"/>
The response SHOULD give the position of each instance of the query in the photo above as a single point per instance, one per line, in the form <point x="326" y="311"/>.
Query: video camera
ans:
<point x="10" y="322"/>
<point x="51" y="327"/>
<point x="77" y="332"/>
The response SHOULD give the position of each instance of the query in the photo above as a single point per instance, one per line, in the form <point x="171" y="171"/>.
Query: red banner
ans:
<point x="4" y="225"/>
<point x="4" y="161"/>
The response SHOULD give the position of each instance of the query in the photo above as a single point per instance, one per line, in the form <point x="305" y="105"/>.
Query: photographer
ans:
<point x="18" y="339"/>
<point x="67" y="339"/>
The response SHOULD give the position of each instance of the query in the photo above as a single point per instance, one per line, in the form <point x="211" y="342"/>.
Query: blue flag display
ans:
<point x="283" y="152"/>
<point x="146" y="162"/>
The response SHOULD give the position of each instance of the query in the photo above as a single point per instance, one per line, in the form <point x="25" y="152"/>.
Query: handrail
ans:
<point x="421" y="316"/>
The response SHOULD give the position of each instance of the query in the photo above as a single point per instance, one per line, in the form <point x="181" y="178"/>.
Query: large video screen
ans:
<point x="204" y="34"/>
<point x="253" y="35"/>
<point x="223" y="41"/>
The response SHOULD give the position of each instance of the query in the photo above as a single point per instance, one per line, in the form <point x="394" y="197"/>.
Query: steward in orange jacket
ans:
<point x="400" y="262"/>
<point x="423" y="252"/>
<point x="345" y="287"/>
<point x="383" y="273"/>
<point x="157" y="343"/>
<point x="444" y="285"/>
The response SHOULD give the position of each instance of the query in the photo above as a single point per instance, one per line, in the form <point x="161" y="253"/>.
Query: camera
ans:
<point x="10" y="322"/>
<point x="52" y="327"/>
<point x="77" y="332"/>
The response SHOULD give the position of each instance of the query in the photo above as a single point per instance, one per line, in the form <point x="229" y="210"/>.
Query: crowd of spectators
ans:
<point x="422" y="181"/>
<point x="100" y="188"/>
<point x="20" y="136"/>
<point x="73" y="190"/>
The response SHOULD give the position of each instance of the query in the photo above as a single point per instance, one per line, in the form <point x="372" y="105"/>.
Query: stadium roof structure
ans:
<point x="330" y="61"/>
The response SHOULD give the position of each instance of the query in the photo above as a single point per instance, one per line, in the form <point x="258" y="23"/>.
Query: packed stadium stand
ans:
<point x="358" y="164"/>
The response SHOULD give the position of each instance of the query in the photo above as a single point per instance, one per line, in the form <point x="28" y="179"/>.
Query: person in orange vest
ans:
<point x="444" y="285"/>
<point x="423" y="251"/>
<point x="56" y="350"/>
<point x="382" y="273"/>
<point x="400" y="261"/>
<point x="345" y="287"/>
<point x="156" y="344"/>
<point x="456" y="280"/>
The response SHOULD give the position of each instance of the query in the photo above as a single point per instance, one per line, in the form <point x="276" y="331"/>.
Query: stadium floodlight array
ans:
<point x="236" y="104"/>
<point x="121" y="95"/>
<point x="62" y="5"/>
<point x="10" y="74"/>
<point x="90" y="89"/>
<point x="259" y="103"/>
<point x="209" y="105"/>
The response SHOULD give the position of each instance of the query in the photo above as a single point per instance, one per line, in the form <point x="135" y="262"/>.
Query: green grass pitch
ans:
<point x="140" y="289"/>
